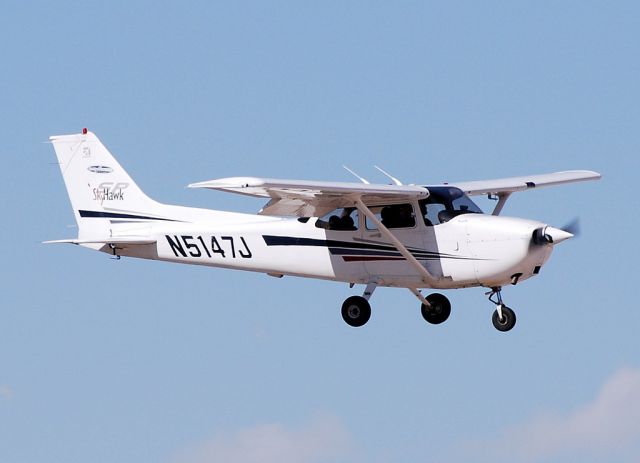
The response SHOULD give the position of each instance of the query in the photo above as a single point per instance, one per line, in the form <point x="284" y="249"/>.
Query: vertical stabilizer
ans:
<point x="100" y="190"/>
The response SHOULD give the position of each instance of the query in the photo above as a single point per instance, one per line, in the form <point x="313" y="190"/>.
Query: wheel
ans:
<point x="356" y="311"/>
<point x="508" y="319"/>
<point x="439" y="311"/>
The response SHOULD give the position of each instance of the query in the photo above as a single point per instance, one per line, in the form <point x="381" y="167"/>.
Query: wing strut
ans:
<point x="502" y="199"/>
<point x="426" y="276"/>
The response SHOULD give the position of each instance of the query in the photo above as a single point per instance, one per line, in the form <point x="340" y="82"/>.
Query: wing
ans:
<point x="302" y="198"/>
<point x="513" y="184"/>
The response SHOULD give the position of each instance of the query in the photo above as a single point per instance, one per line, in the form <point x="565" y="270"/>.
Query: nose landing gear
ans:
<point x="503" y="317"/>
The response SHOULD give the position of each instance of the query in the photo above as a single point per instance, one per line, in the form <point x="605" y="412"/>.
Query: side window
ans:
<point x="430" y="212"/>
<point x="393" y="216"/>
<point x="339" y="220"/>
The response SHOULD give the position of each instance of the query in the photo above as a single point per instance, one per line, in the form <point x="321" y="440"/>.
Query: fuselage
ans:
<point x="468" y="250"/>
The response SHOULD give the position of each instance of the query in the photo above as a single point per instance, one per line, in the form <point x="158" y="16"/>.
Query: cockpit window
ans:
<point x="445" y="203"/>
<point x="345" y="219"/>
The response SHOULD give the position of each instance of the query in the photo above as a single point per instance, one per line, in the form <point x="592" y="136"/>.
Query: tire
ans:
<point x="508" y="319"/>
<point x="356" y="311"/>
<point x="439" y="311"/>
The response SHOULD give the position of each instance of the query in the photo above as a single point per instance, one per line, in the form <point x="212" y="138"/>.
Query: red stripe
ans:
<point x="368" y="258"/>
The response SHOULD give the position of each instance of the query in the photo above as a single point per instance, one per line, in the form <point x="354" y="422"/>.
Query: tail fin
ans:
<point x="100" y="190"/>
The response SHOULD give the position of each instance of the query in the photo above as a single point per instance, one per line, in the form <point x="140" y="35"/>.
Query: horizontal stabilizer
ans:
<point x="131" y="240"/>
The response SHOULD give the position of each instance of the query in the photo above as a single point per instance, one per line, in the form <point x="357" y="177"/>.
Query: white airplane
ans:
<point x="404" y="236"/>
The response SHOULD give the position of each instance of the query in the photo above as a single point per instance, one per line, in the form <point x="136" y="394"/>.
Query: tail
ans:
<point x="100" y="190"/>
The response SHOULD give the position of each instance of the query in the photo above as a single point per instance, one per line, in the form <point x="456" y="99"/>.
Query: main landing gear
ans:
<point x="435" y="308"/>
<point x="438" y="310"/>
<point x="356" y="310"/>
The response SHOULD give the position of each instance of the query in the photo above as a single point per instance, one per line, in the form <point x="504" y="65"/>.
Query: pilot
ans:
<point x="445" y="215"/>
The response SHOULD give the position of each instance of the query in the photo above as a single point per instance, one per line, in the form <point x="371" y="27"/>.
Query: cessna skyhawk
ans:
<point x="404" y="236"/>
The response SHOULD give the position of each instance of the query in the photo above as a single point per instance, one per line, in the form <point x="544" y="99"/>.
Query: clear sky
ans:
<point x="140" y="361"/>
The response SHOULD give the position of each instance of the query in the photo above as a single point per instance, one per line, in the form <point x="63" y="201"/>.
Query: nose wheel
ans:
<point x="503" y="317"/>
<point x="506" y="321"/>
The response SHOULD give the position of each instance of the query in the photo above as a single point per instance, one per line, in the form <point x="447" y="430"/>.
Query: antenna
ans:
<point x="393" y="179"/>
<point x="363" y="180"/>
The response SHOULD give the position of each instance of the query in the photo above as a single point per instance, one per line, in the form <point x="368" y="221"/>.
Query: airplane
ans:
<point x="405" y="236"/>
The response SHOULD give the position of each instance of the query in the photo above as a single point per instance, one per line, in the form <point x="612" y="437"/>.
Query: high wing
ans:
<point x="303" y="198"/>
<point x="504" y="186"/>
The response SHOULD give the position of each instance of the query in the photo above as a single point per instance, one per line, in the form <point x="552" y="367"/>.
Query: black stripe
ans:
<point x="420" y="256"/>
<point x="362" y="252"/>
<point x="375" y="252"/>
<point x="272" y="240"/>
<point x="114" y="215"/>
<point x="351" y="248"/>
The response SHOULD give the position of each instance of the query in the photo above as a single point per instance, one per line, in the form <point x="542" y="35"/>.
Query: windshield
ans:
<point x="445" y="203"/>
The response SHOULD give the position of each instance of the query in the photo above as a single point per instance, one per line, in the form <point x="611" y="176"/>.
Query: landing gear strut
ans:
<point x="503" y="318"/>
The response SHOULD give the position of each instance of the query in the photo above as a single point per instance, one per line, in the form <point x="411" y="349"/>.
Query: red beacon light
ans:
<point x="84" y="131"/>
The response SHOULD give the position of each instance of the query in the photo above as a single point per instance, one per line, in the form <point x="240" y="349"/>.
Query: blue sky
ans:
<point x="130" y="361"/>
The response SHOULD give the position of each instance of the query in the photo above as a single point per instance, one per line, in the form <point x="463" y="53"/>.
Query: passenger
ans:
<point x="347" y="224"/>
<point x="405" y="216"/>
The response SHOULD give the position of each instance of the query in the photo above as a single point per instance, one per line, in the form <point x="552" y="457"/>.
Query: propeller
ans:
<point x="573" y="227"/>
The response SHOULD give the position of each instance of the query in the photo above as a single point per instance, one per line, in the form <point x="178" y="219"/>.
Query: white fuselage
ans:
<point x="469" y="250"/>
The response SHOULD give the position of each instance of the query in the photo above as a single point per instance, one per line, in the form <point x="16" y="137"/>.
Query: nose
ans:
<point x="550" y="235"/>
